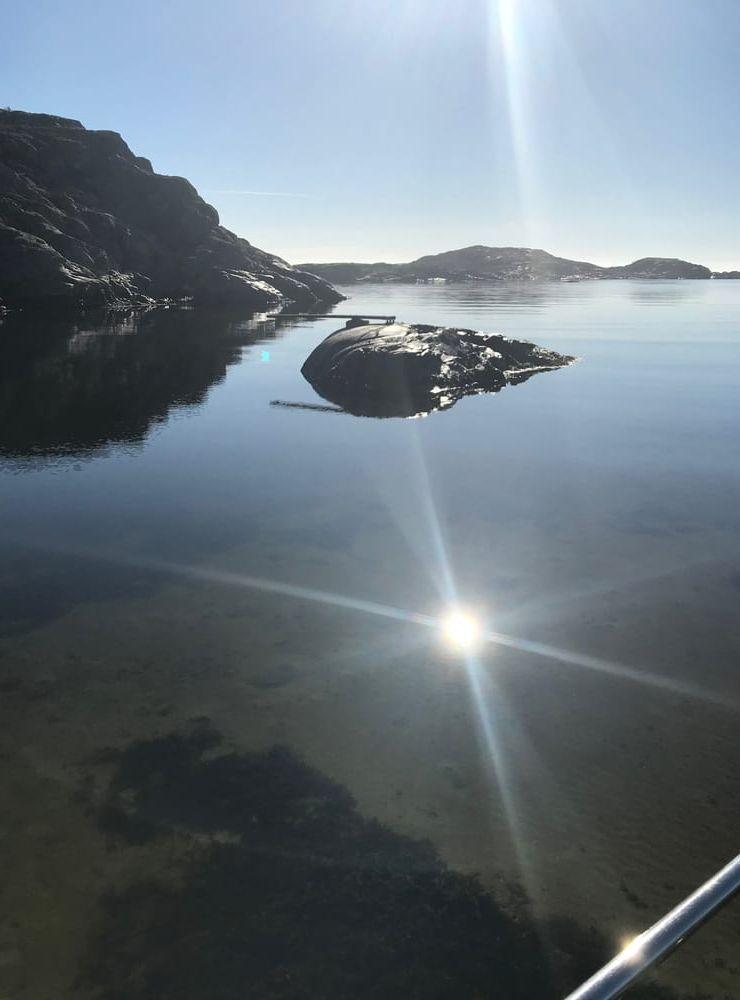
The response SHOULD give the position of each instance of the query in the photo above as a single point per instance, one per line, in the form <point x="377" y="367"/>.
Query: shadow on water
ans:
<point x="71" y="388"/>
<point x="284" y="890"/>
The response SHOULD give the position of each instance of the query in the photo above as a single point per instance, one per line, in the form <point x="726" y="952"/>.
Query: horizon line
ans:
<point x="470" y="246"/>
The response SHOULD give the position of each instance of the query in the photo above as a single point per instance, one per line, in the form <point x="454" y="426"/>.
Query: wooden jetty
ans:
<point x="386" y="319"/>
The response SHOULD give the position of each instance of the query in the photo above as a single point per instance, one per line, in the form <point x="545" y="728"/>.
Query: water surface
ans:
<point x="175" y="547"/>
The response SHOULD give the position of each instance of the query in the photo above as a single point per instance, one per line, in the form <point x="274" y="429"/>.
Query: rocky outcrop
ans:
<point x="481" y="263"/>
<point x="401" y="370"/>
<point x="84" y="222"/>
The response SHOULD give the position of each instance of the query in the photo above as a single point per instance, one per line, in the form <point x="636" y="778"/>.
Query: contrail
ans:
<point x="269" y="194"/>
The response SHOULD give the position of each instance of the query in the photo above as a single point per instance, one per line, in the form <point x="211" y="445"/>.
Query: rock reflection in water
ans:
<point x="70" y="388"/>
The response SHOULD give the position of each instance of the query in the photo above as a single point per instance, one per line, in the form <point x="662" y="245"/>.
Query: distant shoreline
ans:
<point x="484" y="263"/>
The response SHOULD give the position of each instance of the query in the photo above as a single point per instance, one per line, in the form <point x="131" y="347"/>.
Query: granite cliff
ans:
<point x="85" y="222"/>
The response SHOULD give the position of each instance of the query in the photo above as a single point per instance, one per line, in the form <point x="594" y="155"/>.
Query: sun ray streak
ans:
<point x="617" y="670"/>
<point x="487" y="704"/>
<point x="507" y="25"/>
<point x="438" y="623"/>
<point x="550" y="605"/>
<point x="315" y="595"/>
<point x="433" y="521"/>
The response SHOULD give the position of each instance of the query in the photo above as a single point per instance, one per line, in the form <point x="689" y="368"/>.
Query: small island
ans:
<point x="484" y="263"/>
<point x="403" y="370"/>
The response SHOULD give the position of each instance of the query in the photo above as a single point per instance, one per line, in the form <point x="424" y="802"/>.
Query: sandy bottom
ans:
<point x="605" y="798"/>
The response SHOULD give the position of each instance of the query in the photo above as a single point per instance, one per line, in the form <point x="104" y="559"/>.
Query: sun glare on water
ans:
<point x="460" y="630"/>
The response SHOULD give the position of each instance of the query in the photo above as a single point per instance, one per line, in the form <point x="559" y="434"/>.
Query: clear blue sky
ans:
<point x="598" y="129"/>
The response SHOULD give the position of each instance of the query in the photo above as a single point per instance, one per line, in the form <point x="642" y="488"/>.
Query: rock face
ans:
<point x="401" y="370"/>
<point x="504" y="264"/>
<point x="84" y="222"/>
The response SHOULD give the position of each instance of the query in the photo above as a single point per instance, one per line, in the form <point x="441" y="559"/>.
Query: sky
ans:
<point x="601" y="130"/>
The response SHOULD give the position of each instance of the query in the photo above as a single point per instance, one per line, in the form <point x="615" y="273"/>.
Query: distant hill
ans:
<point x="481" y="263"/>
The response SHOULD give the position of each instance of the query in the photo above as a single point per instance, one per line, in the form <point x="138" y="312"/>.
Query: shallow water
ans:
<point x="173" y="546"/>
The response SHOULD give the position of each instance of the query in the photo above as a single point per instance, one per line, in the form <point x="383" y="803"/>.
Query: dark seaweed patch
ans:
<point x="633" y="897"/>
<point x="308" y="899"/>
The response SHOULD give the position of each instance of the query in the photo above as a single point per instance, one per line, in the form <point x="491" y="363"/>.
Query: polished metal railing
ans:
<point x="665" y="935"/>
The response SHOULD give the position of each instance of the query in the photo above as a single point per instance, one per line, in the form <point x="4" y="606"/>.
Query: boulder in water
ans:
<point x="402" y="369"/>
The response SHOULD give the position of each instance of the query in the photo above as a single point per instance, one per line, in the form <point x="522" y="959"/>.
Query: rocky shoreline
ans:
<point x="85" y="223"/>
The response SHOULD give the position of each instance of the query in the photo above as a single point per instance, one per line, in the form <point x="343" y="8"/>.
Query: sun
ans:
<point x="460" y="629"/>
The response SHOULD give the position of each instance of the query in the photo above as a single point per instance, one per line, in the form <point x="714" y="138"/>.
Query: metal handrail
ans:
<point x="665" y="935"/>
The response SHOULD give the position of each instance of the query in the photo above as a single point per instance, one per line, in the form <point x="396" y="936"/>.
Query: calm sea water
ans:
<point x="174" y="546"/>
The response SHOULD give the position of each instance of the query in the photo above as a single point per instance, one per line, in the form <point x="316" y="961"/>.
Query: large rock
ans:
<point x="85" y="222"/>
<point x="400" y="370"/>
